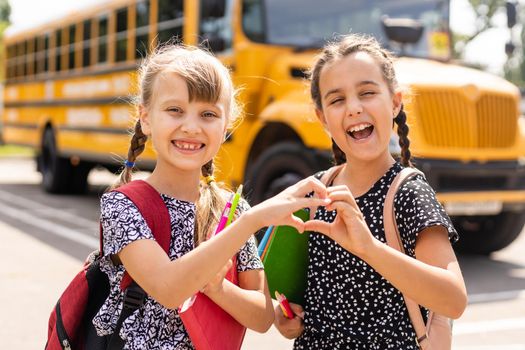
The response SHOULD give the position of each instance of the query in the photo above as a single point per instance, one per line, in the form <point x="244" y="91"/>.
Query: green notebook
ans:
<point x="285" y="261"/>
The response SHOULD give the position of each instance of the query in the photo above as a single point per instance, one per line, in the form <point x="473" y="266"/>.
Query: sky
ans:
<point x="488" y="49"/>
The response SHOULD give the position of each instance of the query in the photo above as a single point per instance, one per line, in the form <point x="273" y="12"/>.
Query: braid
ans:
<point x="339" y="155"/>
<point x="136" y="147"/>
<point x="404" y="142"/>
<point x="209" y="205"/>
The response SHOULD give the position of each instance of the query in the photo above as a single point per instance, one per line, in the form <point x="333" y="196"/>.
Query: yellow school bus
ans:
<point x="69" y="83"/>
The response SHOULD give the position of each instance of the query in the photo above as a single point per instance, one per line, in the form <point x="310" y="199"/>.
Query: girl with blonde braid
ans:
<point x="186" y="106"/>
<point x="356" y="282"/>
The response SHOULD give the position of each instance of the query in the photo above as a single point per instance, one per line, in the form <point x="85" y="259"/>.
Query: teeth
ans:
<point x="188" y="146"/>
<point x="359" y="127"/>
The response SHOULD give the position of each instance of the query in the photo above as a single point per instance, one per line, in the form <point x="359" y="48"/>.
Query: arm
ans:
<point x="171" y="282"/>
<point x="433" y="280"/>
<point x="249" y="303"/>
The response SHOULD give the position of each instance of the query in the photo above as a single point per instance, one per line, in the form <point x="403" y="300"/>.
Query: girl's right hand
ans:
<point x="289" y="328"/>
<point x="279" y="209"/>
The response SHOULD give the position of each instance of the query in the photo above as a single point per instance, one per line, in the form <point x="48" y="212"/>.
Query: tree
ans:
<point x="5" y="13"/>
<point x="484" y="11"/>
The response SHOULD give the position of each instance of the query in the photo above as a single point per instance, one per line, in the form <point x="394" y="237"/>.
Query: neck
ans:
<point x="183" y="185"/>
<point x="360" y="175"/>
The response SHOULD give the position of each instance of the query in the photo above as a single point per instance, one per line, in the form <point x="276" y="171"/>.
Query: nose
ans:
<point x="354" y="108"/>
<point x="190" y="126"/>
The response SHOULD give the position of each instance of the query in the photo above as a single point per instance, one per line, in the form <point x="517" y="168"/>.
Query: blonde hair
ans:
<point x="350" y="44"/>
<point x="207" y="80"/>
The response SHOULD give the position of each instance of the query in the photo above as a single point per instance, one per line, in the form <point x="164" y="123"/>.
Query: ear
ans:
<point x="397" y="100"/>
<point x="320" y="115"/>
<point x="144" y="120"/>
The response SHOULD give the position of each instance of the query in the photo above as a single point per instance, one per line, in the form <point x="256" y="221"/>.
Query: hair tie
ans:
<point x="129" y="164"/>
<point x="209" y="179"/>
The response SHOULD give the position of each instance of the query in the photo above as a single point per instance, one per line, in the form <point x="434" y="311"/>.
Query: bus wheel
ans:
<point x="278" y="167"/>
<point x="58" y="175"/>
<point x="487" y="234"/>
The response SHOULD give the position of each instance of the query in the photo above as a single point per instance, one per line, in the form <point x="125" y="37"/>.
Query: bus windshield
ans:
<point x="309" y="23"/>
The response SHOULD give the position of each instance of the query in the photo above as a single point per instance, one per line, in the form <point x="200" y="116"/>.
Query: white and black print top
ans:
<point x="152" y="326"/>
<point x="348" y="304"/>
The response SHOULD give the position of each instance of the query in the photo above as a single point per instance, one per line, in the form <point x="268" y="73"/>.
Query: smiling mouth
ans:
<point x="360" y="132"/>
<point x="187" y="146"/>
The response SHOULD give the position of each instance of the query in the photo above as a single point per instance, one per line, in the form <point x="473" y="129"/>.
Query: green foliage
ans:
<point x="5" y="11"/>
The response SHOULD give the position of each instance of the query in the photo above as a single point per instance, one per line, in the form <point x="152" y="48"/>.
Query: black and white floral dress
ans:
<point x="348" y="304"/>
<point x="152" y="326"/>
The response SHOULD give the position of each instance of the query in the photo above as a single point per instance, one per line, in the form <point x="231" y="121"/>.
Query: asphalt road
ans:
<point x="494" y="319"/>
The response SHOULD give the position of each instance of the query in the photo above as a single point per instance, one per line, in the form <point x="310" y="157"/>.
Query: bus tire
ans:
<point x="58" y="175"/>
<point x="278" y="167"/>
<point x="487" y="234"/>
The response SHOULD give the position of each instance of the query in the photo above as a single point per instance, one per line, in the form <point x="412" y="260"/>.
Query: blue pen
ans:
<point x="266" y="236"/>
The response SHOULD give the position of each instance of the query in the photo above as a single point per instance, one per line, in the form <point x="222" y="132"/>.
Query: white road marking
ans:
<point x="59" y="213"/>
<point x="49" y="226"/>
<point x="496" y="296"/>
<point x="480" y="327"/>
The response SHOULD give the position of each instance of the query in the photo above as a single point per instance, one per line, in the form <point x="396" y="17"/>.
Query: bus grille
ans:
<point x="451" y="119"/>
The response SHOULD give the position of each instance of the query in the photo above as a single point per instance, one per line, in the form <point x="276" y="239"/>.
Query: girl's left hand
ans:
<point x="349" y="228"/>
<point x="215" y="285"/>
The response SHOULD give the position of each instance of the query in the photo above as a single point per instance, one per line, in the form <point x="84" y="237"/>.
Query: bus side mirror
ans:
<point x="511" y="13"/>
<point x="402" y="30"/>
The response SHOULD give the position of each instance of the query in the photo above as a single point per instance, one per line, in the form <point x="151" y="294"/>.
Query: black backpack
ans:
<point x="70" y="323"/>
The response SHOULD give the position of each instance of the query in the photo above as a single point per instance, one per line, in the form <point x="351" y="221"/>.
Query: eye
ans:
<point x="336" y="100"/>
<point x="210" y="114"/>
<point x="176" y="110"/>
<point x="368" y="93"/>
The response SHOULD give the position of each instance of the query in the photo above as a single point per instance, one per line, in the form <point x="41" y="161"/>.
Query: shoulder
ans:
<point x="114" y="204"/>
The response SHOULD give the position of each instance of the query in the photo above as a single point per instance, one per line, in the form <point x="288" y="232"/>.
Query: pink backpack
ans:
<point x="437" y="333"/>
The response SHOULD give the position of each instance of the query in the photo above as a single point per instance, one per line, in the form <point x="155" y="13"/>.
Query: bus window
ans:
<point x="122" y="35"/>
<point x="58" y="50"/>
<point x="170" y="20"/>
<point x="11" y="61"/>
<point x="215" y="29"/>
<point x="103" y="39"/>
<point x="71" y="48"/>
<point x="142" y="24"/>
<point x="45" y="52"/>
<point x="22" y="59"/>
<point x="86" y="43"/>
<point x="252" y="20"/>
<point x="30" y="49"/>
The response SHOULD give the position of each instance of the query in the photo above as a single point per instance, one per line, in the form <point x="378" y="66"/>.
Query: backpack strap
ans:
<point x="154" y="210"/>
<point x="155" y="213"/>
<point x="394" y="240"/>
<point x="329" y="175"/>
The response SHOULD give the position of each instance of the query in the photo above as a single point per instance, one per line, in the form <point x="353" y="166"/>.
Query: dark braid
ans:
<point x="339" y="155"/>
<point x="207" y="169"/>
<point x="404" y="142"/>
<point x="136" y="147"/>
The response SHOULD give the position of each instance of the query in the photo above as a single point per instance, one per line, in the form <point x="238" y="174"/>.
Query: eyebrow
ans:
<point x="361" y="83"/>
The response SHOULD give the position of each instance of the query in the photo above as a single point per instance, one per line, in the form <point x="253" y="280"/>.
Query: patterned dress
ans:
<point x="348" y="304"/>
<point x="152" y="326"/>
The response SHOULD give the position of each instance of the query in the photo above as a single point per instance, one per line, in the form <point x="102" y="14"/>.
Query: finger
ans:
<point x="295" y="222"/>
<point x="343" y="197"/>
<point x="311" y="184"/>
<point x="310" y="202"/>
<point x="318" y="226"/>
<point x="296" y="308"/>
<point x="345" y="210"/>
